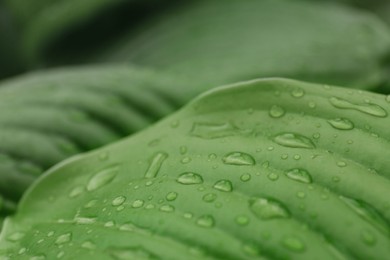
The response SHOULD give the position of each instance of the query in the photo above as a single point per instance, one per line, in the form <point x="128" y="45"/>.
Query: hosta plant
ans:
<point x="266" y="169"/>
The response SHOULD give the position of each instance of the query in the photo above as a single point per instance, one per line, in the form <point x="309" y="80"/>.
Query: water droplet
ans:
<point x="299" y="175"/>
<point x="238" y="158"/>
<point x="109" y="224"/>
<point x="189" y="178"/>
<point x="206" y="221"/>
<point x="76" y="191"/>
<point x="186" y="160"/>
<point x="388" y="98"/>
<point x="297" y="157"/>
<point x="312" y="104"/>
<point x="341" y="164"/>
<point x="223" y="185"/>
<point x="171" y="196"/>
<point x="62" y="239"/>
<point x="102" y="178"/>
<point x="209" y="197"/>
<point x="370" y="109"/>
<point x="251" y="250"/>
<point x="242" y="220"/>
<point x="294" y="141"/>
<point x="301" y="194"/>
<point x="103" y="156"/>
<point x="188" y="215"/>
<point x="341" y="124"/>
<point x="155" y="165"/>
<point x="276" y="111"/>
<point x="137" y="204"/>
<point x="84" y="221"/>
<point x="91" y="204"/>
<point x="212" y="156"/>
<point x="265" y="208"/>
<point x="118" y="201"/>
<point x="245" y="177"/>
<point x="293" y="244"/>
<point x="273" y="176"/>
<point x="88" y="245"/>
<point x="126" y="253"/>
<point x="368" y="237"/>
<point x="183" y="149"/>
<point x="167" y="208"/>
<point x="212" y="130"/>
<point x="38" y="257"/>
<point x="297" y="92"/>
<point x="16" y="236"/>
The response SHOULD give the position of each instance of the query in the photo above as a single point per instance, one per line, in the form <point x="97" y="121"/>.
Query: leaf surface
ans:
<point x="267" y="169"/>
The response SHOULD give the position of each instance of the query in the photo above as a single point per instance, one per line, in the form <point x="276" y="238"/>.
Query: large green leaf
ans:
<point x="268" y="169"/>
<point x="48" y="116"/>
<point x="66" y="30"/>
<point x="216" y="42"/>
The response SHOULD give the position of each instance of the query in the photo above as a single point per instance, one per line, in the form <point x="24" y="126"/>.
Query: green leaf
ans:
<point x="217" y="42"/>
<point x="63" y="26"/>
<point x="46" y="117"/>
<point x="267" y="169"/>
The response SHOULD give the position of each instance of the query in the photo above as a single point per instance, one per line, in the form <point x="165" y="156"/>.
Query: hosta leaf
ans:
<point x="215" y="42"/>
<point x="48" y="116"/>
<point x="268" y="169"/>
<point x="63" y="26"/>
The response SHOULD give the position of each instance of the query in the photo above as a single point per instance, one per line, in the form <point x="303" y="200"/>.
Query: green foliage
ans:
<point x="47" y="117"/>
<point x="267" y="169"/>
<point x="217" y="42"/>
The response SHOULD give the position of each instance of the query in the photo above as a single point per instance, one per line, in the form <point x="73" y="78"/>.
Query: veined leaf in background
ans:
<point x="46" y="117"/>
<point x="216" y="42"/>
<point x="268" y="169"/>
<point x="72" y="28"/>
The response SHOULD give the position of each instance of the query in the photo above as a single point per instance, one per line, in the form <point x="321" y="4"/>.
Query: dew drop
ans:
<point x="301" y="194"/>
<point x="155" y="165"/>
<point x="370" y="109"/>
<point x="265" y="208"/>
<point x="245" y="177"/>
<point x="297" y="93"/>
<point x="126" y="253"/>
<point x="91" y="204"/>
<point x="206" y="221"/>
<point x="137" y="204"/>
<point x="292" y="140"/>
<point x="242" y="220"/>
<point x="167" y="208"/>
<point x="118" y="201"/>
<point x="171" y="196"/>
<point x="293" y="244"/>
<point x="368" y="237"/>
<point x="183" y="149"/>
<point x="341" y="164"/>
<point x="209" y="197"/>
<point x="273" y="176"/>
<point x="102" y="178"/>
<point x="276" y="111"/>
<point x="62" y="239"/>
<point x="212" y="130"/>
<point x="16" y="236"/>
<point x="388" y="98"/>
<point x="186" y="160"/>
<point x="238" y="158"/>
<point x="76" y="191"/>
<point x="88" y="245"/>
<point x="189" y="178"/>
<point x="103" y="156"/>
<point x="251" y="250"/>
<point x="341" y="124"/>
<point x="38" y="257"/>
<point x="299" y="175"/>
<point x="109" y="224"/>
<point x="223" y="185"/>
